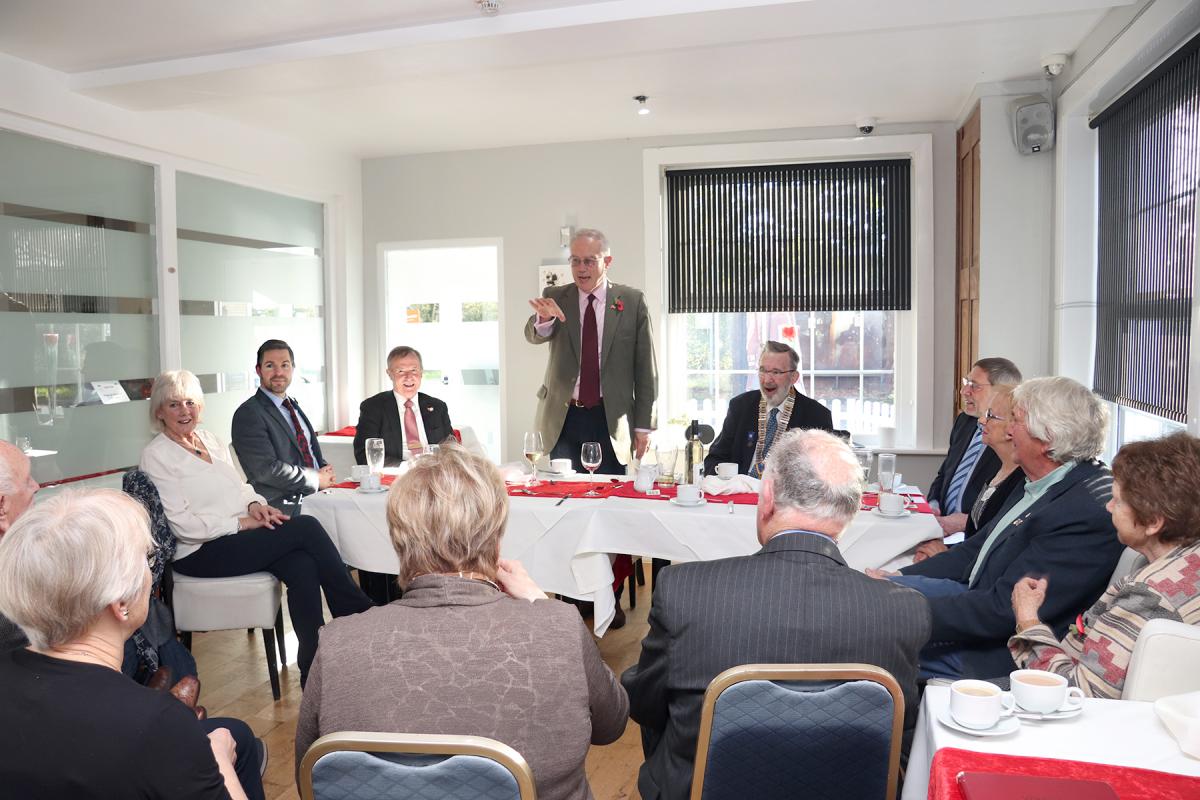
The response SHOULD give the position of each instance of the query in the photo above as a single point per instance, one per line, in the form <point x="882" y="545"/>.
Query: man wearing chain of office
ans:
<point x="755" y="418"/>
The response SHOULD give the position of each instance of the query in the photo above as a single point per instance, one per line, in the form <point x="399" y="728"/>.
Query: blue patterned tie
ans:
<point x="963" y="474"/>
<point x="768" y="438"/>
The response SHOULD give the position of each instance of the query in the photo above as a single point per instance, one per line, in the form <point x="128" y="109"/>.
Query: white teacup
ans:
<point x="892" y="505"/>
<point x="978" y="704"/>
<point x="358" y="472"/>
<point x="727" y="470"/>
<point x="689" y="494"/>
<point x="560" y="465"/>
<point x="371" y="481"/>
<point x="1044" y="692"/>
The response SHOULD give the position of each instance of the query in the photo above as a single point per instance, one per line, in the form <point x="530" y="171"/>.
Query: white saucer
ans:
<point x="365" y="490"/>
<point x="696" y="504"/>
<point x="1038" y="716"/>
<point x="901" y="515"/>
<point x="1004" y="727"/>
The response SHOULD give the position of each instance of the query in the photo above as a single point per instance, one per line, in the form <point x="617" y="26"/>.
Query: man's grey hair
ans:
<point x="592" y="233"/>
<point x="1065" y="415"/>
<point x="1000" y="370"/>
<point x="815" y="473"/>
<point x="10" y="456"/>
<point x="404" y="351"/>
<point x="779" y="347"/>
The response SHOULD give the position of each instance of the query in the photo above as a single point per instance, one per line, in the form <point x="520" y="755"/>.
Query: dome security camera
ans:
<point x="1054" y="64"/>
<point x="866" y="125"/>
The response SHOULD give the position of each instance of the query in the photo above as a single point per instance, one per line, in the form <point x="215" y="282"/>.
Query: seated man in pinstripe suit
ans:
<point x="794" y="601"/>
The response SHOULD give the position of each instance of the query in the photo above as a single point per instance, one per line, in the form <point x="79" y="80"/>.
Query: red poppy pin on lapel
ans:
<point x="617" y="305"/>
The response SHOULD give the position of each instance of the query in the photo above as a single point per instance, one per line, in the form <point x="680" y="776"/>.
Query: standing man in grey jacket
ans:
<point x="601" y="368"/>
<point x="275" y="443"/>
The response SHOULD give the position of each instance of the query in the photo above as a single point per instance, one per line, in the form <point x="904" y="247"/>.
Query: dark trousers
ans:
<point x="587" y="425"/>
<point x="300" y="554"/>
<point x="248" y="758"/>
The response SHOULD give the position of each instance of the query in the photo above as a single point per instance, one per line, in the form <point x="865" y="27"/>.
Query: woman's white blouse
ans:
<point x="202" y="501"/>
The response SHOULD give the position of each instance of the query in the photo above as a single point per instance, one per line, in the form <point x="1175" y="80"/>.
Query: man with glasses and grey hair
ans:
<point x="969" y="465"/>
<point x="794" y="601"/>
<point x="17" y="488"/>
<point x="756" y="418"/>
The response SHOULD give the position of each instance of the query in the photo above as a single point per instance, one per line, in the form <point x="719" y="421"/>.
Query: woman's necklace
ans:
<point x="187" y="445"/>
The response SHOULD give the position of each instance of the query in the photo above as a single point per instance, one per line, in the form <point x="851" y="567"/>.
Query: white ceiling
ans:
<point x="383" y="77"/>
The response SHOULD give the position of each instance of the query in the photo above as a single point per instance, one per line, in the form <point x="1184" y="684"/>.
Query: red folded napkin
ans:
<point x="561" y="489"/>
<point x="386" y="480"/>
<point x="1130" y="783"/>
<point x="667" y="492"/>
<point x="871" y="500"/>
<point x="349" y="430"/>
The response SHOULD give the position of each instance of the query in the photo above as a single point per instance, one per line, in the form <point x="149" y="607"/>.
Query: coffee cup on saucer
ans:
<point x="689" y="494"/>
<point x="892" y="505"/>
<point x="560" y="466"/>
<point x="1044" y="692"/>
<point x="358" y="472"/>
<point x="727" y="470"/>
<point x="978" y="704"/>
<point x="371" y="482"/>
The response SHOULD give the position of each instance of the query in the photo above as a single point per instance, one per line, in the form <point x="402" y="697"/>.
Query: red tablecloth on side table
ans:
<point x="1129" y="783"/>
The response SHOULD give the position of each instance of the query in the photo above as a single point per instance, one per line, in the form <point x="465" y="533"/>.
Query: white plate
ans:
<point x="1038" y="716"/>
<point x="1004" y="727"/>
<point x="902" y="515"/>
<point x="365" y="490"/>
<point x="696" y="504"/>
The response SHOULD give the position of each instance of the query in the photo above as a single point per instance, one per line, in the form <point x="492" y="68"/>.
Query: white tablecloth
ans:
<point x="1120" y="732"/>
<point x="565" y="547"/>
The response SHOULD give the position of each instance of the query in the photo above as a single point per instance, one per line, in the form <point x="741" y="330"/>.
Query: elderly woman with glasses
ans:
<point x="473" y="647"/>
<point x="224" y="528"/>
<point x="74" y="577"/>
<point x="1154" y="509"/>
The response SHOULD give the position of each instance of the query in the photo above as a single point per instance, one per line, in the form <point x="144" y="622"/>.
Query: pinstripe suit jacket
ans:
<point x="794" y="601"/>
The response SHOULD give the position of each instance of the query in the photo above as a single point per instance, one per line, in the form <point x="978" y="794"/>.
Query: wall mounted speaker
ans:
<point x="1032" y="124"/>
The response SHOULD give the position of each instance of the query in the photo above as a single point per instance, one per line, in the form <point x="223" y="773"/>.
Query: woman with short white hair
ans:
<point x="473" y="647"/>
<point x="74" y="577"/>
<point x="225" y="528"/>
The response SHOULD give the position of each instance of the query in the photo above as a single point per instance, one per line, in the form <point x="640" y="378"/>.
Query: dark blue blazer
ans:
<point x="269" y="452"/>
<point x="379" y="418"/>
<point x="739" y="432"/>
<point x="985" y="468"/>
<point x="1066" y="536"/>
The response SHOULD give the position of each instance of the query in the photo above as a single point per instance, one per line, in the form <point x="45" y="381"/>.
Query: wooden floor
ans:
<point x="233" y="673"/>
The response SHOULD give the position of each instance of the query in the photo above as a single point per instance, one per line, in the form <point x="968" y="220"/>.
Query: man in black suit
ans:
<point x="794" y="601"/>
<point x="405" y="418"/>
<point x="1057" y="528"/>
<point x="756" y="417"/>
<point x="969" y="465"/>
<point x="274" y="441"/>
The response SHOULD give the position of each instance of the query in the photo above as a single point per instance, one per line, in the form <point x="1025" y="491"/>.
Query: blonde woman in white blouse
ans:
<point x="225" y="529"/>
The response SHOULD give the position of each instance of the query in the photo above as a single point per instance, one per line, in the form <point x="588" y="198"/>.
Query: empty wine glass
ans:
<point x="591" y="456"/>
<point x="533" y="451"/>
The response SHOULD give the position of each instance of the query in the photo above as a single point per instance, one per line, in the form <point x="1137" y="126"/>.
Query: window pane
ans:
<point x="250" y="269"/>
<point x="77" y="317"/>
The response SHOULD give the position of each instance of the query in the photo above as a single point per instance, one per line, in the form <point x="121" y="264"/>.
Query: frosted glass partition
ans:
<point x="78" y="320"/>
<point x="250" y="269"/>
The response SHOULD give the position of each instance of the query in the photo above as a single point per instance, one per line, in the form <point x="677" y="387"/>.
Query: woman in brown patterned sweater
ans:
<point x="473" y="647"/>
<point x="1154" y="511"/>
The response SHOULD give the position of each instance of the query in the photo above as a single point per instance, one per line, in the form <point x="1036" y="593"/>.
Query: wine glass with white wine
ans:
<point x="533" y="451"/>
<point x="591" y="456"/>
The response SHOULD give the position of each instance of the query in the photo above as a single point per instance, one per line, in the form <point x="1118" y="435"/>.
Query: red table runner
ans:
<point x="1130" y="783"/>
<point x="667" y="492"/>
<point x="871" y="500"/>
<point x="562" y="489"/>
<point x="386" y="480"/>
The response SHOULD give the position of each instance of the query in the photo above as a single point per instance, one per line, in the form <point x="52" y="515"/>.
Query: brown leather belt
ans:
<point x="578" y="404"/>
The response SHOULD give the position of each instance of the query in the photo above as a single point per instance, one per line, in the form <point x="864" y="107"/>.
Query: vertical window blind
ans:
<point x="826" y="236"/>
<point x="1149" y="167"/>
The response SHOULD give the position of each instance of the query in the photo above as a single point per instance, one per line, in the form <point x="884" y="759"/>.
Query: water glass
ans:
<point x="375" y="455"/>
<point x="865" y="457"/>
<point x="887" y="471"/>
<point x="667" y="458"/>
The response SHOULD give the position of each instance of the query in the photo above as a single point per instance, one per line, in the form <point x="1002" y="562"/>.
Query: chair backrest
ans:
<point x="799" y="730"/>
<point x="138" y="485"/>
<point x="1124" y="564"/>
<point x="1164" y="661"/>
<point x="383" y="766"/>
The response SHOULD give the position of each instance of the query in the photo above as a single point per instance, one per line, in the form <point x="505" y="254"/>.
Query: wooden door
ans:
<point x="967" y="252"/>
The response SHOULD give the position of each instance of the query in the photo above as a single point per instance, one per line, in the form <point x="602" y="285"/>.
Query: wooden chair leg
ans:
<point x="279" y="638"/>
<point x="633" y="587"/>
<point x="641" y="572"/>
<point x="268" y="637"/>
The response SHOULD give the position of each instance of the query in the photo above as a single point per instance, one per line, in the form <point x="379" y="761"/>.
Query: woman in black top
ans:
<point x="74" y="577"/>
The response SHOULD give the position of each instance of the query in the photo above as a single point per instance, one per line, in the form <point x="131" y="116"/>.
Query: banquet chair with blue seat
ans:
<point x="771" y="731"/>
<point x="392" y="766"/>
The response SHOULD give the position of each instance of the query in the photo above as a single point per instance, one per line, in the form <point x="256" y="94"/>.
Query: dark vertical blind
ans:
<point x="828" y="236"/>
<point x="1149" y="166"/>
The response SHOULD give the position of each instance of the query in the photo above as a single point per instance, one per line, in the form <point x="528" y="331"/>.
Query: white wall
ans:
<point x="36" y="100"/>
<point x="524" y="194"/>
<point x="1016" y="219"/>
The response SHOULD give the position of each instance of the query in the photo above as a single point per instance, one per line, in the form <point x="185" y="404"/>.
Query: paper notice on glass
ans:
<point x="109" y="392"/>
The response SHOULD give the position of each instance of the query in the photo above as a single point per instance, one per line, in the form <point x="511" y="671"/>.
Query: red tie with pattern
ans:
<point x="301" y="439"/>
<point x="589" y="366"/>
<point x="410" y="429"/>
